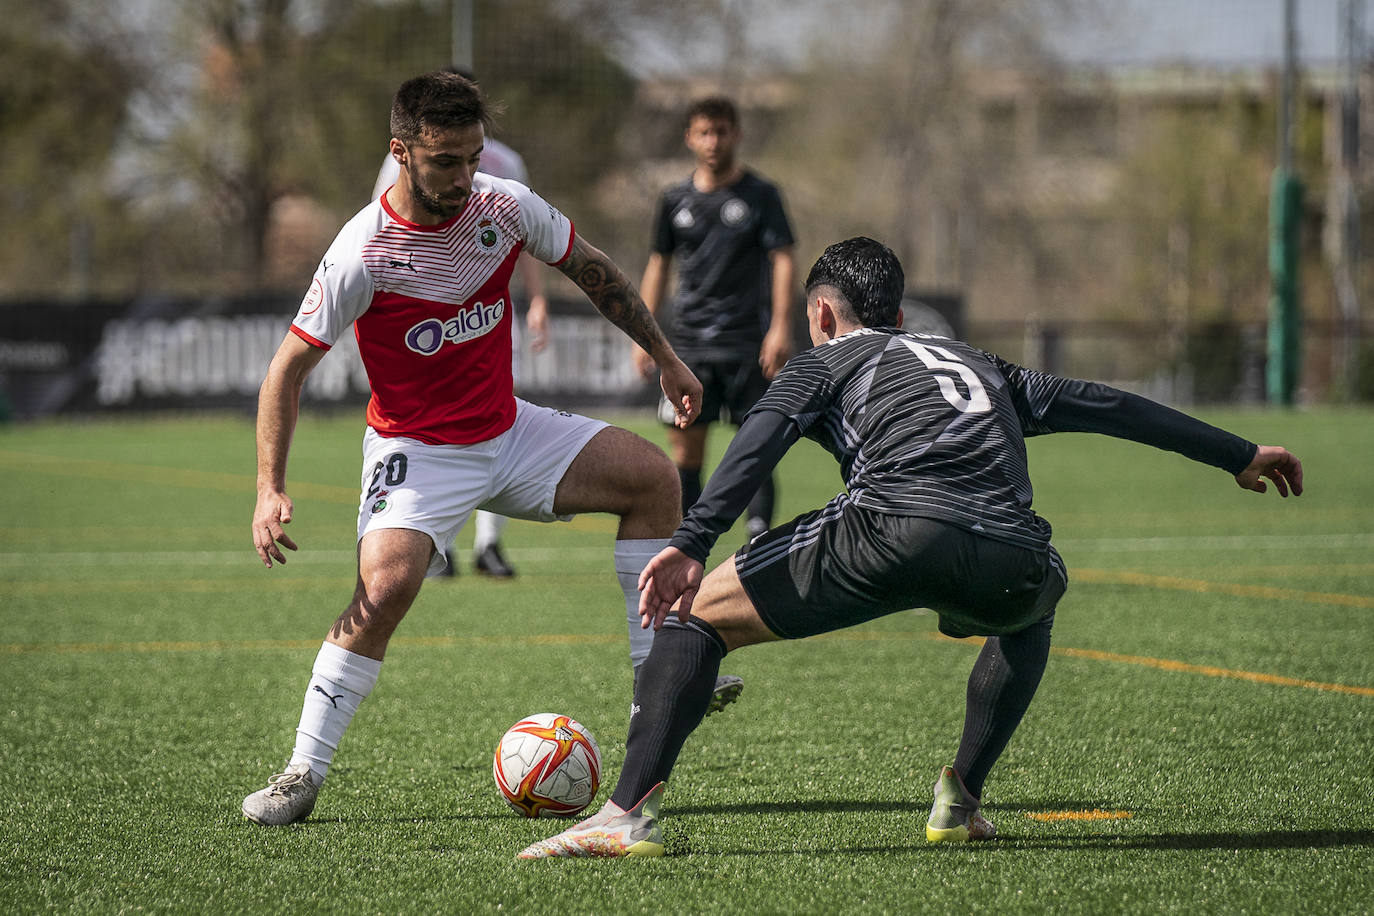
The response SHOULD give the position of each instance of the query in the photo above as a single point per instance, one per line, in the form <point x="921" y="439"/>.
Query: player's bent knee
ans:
<point x="726" y="606"/>
<point x="622" y="473"/>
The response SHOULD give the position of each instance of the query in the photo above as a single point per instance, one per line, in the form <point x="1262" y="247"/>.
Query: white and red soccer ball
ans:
<point x="547" y="764"/>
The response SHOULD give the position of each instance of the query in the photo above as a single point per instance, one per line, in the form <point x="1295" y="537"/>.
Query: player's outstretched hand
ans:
<point x="669" y="576"/>
<point x="272" y="512"/>
<point x="683" y="391"/>
<point x="1276" y="463"/>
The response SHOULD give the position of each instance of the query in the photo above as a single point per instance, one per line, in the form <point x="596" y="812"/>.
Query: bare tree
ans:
<point x="884" y="135"/>
<point x="66" y="75"/>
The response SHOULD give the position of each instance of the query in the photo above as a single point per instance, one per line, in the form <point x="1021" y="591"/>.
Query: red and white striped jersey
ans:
<point x="430" y="307"/>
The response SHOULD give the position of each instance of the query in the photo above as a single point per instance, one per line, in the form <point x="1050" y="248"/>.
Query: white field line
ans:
<point x="1352" y="541"/>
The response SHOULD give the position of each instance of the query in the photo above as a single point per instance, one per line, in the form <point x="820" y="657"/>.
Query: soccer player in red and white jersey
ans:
<point x="421" y="275"/>
<point x="500" y="161"/>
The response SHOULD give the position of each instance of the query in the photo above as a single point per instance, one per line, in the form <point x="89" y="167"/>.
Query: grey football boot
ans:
<point x="288" y="798"/>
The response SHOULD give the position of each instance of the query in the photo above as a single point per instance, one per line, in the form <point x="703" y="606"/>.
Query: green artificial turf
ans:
<point x="1201" y="741"/>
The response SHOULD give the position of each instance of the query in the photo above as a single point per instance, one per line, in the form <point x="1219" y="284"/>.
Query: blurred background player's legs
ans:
<point x="487" y="558"/>
<point x="689" y="453"/>
<point x="759" y="515"/>
<point x="687" y="447"/>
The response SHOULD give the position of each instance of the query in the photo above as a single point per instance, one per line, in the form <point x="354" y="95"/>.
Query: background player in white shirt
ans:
<point x="500" y="160"/>
<point x="422" y="276"/>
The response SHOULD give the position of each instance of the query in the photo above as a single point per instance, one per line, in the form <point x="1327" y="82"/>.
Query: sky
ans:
<point x="1226" y="33"/>
<point x="1220" y="32"/>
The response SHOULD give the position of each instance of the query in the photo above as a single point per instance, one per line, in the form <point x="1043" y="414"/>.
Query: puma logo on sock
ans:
<point x="333" y="700"/>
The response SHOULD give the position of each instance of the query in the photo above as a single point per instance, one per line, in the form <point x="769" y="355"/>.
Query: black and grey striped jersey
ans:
<point x="721" y="242"/>
<point x="933" y="427"/>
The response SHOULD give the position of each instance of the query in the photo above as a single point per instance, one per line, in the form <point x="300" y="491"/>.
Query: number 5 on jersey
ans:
<point x="977" y="400"/>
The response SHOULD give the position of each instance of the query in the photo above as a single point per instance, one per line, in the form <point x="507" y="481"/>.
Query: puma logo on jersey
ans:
<point x="429" y="335"/>
<point x="407" y="263"/>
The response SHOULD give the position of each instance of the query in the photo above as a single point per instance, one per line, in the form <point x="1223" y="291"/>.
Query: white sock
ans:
<point x="488" y="527"/>
<point x="630" y="559"/>
<point x="338" y="684"/>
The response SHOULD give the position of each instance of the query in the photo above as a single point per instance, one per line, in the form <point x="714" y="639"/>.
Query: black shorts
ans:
<point x="845" y="564"/>
<point x="730" y="389"/>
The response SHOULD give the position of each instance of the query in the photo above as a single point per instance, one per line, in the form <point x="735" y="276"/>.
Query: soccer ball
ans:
<point x="547" y="764"/>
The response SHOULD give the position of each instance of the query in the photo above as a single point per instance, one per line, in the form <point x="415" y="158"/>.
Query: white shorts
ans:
<point x="434" y="488"/>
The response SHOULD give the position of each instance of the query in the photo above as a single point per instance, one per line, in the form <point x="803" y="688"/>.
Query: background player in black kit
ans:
<point x="727" y="232"/>
<point x="930" y="436"/>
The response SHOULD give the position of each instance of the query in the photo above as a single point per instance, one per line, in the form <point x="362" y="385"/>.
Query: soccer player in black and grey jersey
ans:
<point x="930" y="436"/>
<point x="726" y="231"/>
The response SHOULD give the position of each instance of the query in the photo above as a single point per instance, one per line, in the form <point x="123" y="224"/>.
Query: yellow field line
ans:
<point x="1168" y="664"/>
<point x="144" y="473"/>
<point x="428" y="642"/>
<point x="1093" y="815"/>
<point x="570" y="639"/>
<point x="1278" y="569"/>
<point x="1203" y="586"/>
<point x="168" y="586"/>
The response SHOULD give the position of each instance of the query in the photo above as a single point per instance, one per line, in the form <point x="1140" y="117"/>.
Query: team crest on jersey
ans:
<point x="487" y="235"/>
<point x="683" y="219"/>
<point x="734" y="212"/>
<point x="381" y="503"/>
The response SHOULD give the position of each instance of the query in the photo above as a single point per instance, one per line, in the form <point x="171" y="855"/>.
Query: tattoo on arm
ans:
<point x="612" y="293"/>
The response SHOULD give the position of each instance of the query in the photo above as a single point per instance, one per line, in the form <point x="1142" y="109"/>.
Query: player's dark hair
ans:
<point x="437" y="101"/>
<point x="868" y="277"/>
<point x="713" y="108"/>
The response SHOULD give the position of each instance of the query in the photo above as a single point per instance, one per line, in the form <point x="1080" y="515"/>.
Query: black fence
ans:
<point x="159" y="353"/>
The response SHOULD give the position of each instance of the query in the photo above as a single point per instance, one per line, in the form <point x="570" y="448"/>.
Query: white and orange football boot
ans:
<point x="610" y="833"/>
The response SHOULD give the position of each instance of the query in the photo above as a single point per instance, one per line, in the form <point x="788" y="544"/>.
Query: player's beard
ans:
<point x="429" y="201"/>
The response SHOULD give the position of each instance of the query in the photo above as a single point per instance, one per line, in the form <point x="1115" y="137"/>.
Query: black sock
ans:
<point x="1000" y="689"/>
<point x="690" y="478"/>
<point x="672" y="693"/>
<point x="761" y="506"/>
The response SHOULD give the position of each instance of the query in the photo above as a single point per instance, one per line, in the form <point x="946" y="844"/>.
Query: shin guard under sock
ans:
<point x="631" y="556"/>
<point x="671" y="698"/>
<point x="1000" y="688"/>
<point x="339" y="683"/>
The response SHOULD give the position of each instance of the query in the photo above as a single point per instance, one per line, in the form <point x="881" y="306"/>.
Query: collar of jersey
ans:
<point x="857" y="332"/>
<point x="417" y="227"/>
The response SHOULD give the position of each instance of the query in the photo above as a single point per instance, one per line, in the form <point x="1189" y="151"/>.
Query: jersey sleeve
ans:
<point x="752" y="455"/>
<point x="1032" y="393"/>
<point x="339" y="293"/>
<point x="774" y="230"/>
<point x="662" y="241"/>
<point x="1047" y="403"/>
<point x="802" y="391"/>
<point x="796" y="398"/>
<point x="548" y="233"/>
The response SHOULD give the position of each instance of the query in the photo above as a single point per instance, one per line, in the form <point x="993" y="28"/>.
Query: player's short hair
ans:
<point x="868" y="278"/>
<point x="437" y="101"/>
<point x="713" y="108"/>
